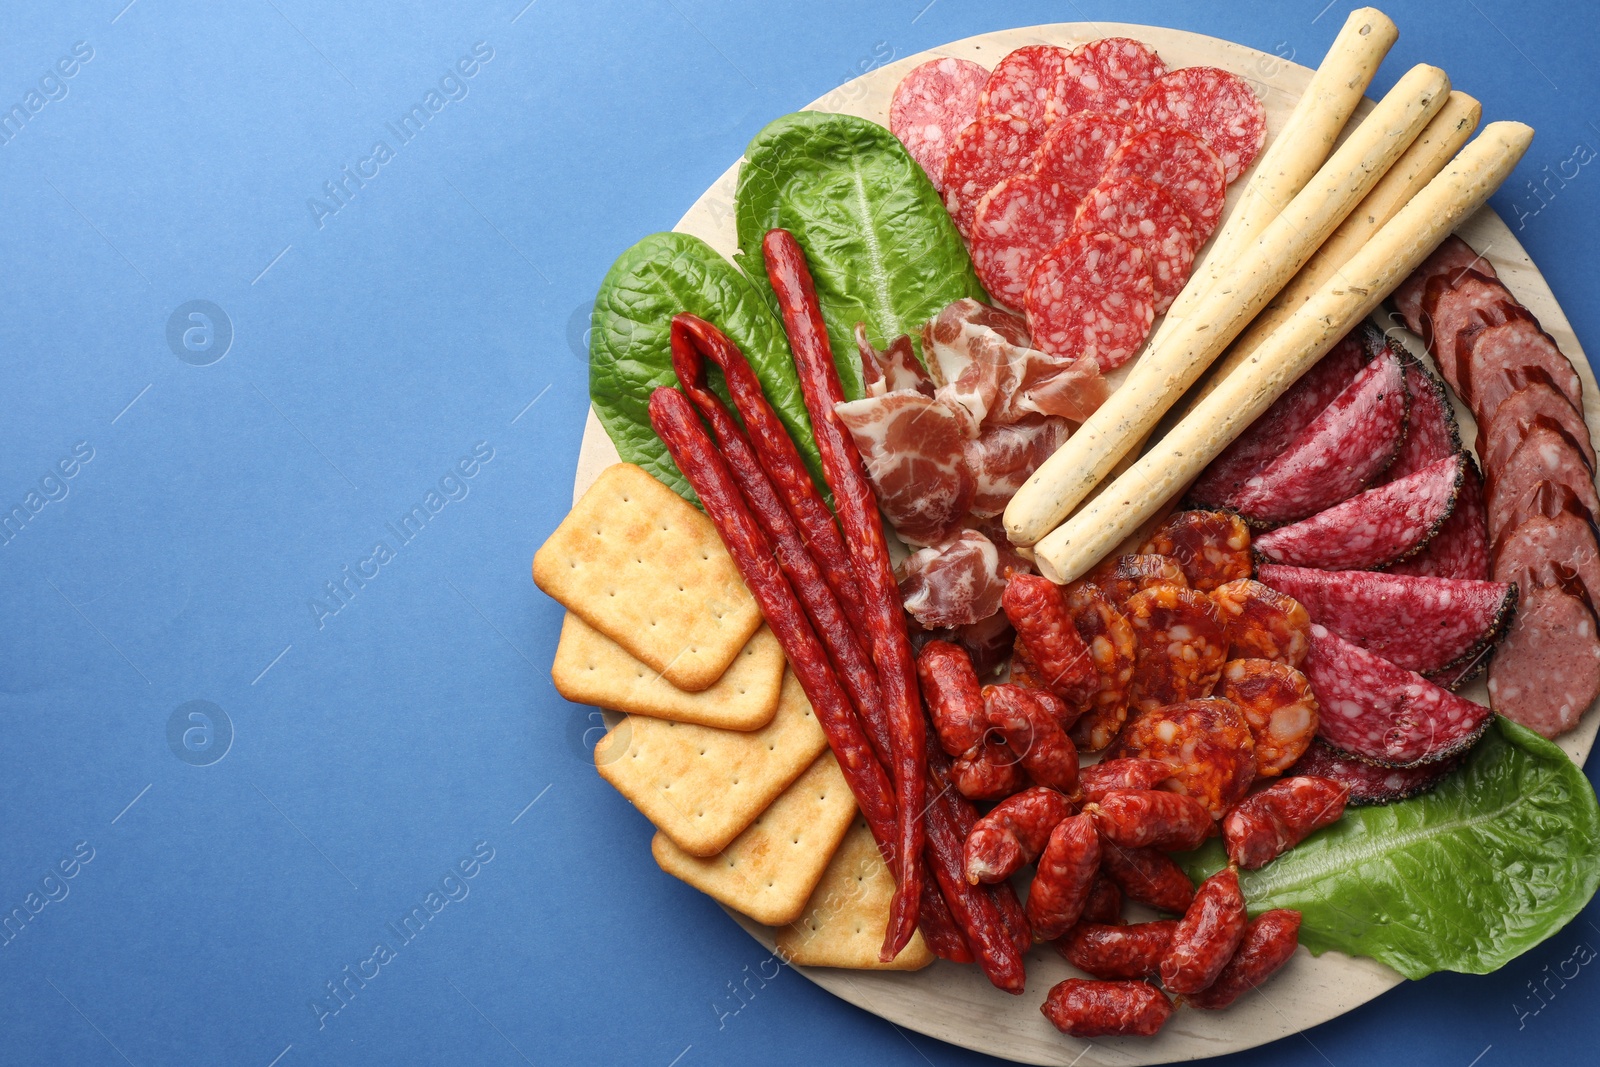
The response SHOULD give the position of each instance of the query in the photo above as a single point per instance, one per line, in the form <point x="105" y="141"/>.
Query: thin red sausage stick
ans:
<point x="675" y="423"/>
<point x="829" y="618"/>
<point x="882" y="611"/>
<point x="780" y="459"/>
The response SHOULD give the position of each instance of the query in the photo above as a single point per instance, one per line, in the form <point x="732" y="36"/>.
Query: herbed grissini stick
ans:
<point x="1344" y="300"/>
<point x="883" y="614"/>
<point x="1177" y="359"/>
<point x="690" y="338"/>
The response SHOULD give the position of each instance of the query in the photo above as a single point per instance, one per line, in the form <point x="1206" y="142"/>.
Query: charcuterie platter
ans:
<point x="959" y="1003"/>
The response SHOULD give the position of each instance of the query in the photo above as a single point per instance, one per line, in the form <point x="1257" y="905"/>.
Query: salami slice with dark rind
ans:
<point x="1108" y="76"/>
<point x="1024" y="84"/>
<point x="1346" y="446"/>
<point x="1461" y="547"/>
<point x="1380" y="712"/>
<point x="1545" y="455"/>
<point x="1501" y="355"/>
<point x="1212" y="547"/>
<point x="1015" y="224"/>
<point x="1370" y="783"/>
<point x="1452" y="257"/>
<point x="1182" y="165"/>
<point x="1213" y="104"/>
<point x="932" y="104"/>
<point x="1373" y="528"/>
<point x="1537" y="401"/>
<point x="1419" y="623"/>
<point x="1555" y="550"/>
<point x="1092" y="297"/>
<point x="1547" y="672"/>
<point x="1077" y="149"/>
<point x="1265" y="438"/>
<point x="989" y="149"/>
<point x="1140" y="211"/>
<point x="1431" y="430"/>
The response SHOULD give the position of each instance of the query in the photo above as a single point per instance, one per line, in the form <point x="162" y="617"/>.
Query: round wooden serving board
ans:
<point x="955" y="1003"/>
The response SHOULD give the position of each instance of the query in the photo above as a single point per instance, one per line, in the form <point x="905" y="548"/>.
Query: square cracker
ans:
<point x="702" y="786"/>
<point x="844" y="921"/>
<point x="590" y="668"/>
<point x="769" y="871"/>
<point x="644" y="567"/>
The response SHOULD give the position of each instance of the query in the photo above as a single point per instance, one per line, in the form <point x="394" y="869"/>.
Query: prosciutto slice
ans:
<point x="1003" y="457"/>
<point x="914" y="448"/>
<point x="983" y="364"/>
<point x="894" y="369"/>
<point x="954" y="583"/>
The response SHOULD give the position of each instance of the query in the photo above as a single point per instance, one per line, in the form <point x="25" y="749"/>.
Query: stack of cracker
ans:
<point x="717" y="746"/>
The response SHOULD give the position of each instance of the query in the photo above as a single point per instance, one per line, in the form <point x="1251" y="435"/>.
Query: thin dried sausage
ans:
<point x="1013" y="834"/>
<point x="1207" y="935"/>
<point x="1066" y="874"/>
<point x="1266" y="824"/>
<point x="1082" y="1007"/>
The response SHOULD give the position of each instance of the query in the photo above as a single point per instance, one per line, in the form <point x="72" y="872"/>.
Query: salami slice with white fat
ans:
<point x="1431" y="430"/>
<point x="1108" y="76"/>
<point x="1214" y="105"/>
<point x="1498" y="358"/>
<point x="1346" y="446"/>
<point x="1092" y="297"/>
<point x="1373" y="528"/>
<point x="1015" y="224"/>
<point x="1538" y="402"/>
<point x="1292" y="412"/>
<point x="1369" y="783"/>
<point x="1546" y="454"/>
<point x="1419" y="623"/>
<point x="1547" y="672"/>
<point x="931" y="105"/>
<point x="1025" y="83"/>
<point x="1451" y="258"/>
<point x="1139" y="211"/>
<point x="1181" y="165"/>
<point x="1375" y="710"/>
<point x="990" y="149"/>
<point x="1461" y="547"/>
<point x="1549" y="551"/>
<point x="1077" y="149"/>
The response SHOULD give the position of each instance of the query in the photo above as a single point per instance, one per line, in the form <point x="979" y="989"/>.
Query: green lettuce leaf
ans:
<point x="1466" y="878"/>
<point x="630" y="350"/>
<point x="881" y="246"/>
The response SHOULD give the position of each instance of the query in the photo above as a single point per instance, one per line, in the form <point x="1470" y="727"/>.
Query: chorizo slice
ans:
<point x="1262" y="622"/>
<point x="1181" y="646"/>
<point x="1122" y="577"/>
<point x="1113" y="649"/>
<point x="1279" y="707"/>
<point x="1207" y="743"/>
<point x="1212" y="547"/>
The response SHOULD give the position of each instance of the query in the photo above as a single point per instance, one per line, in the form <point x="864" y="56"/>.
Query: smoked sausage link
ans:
<point x="1207" y="936"/>
<point x="1081" y="1007"/>
<point x="1147" y="876"/>
<point x="1013" y="834"/>
<point x="1055" y="650"/>
<point x="1153" y="818"/>
<point x="1066" y="874"/>
<point x="1265" y="825"/>
<point x="1031" y="731"/>
<point x="1269" y="941"/>
<point x="1113" y="952"/>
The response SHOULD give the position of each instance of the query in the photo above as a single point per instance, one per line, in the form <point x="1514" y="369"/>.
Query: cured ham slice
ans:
<point x="914" y="450"/>
<point x="894" y="369"/>
<point x="1003" y="457"/>
<point x="954" y="583"/>
<point x="984" y="364"/>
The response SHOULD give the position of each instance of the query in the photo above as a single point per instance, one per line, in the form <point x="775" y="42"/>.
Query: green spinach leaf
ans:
<point x="1466" y="878"/>
<point x="630" y="351"/>
<point x="881" y="246"/>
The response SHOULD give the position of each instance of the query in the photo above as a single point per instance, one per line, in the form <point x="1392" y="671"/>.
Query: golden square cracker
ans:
<point x="702" y="786"/>
<point x="641" y="565"/>
<point x="590" y="668"/>
<point x="844" y="921"/>
<point x="769" y="871"/>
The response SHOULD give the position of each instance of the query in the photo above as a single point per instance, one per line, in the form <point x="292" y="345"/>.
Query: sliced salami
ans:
<point x="1431" y="430"/>
<point x="1538" y="402"/>
<point x="1452" y="304"/>
<point x="989" y="149"/>
<point x="1546" y="454"/>
<point x="1092" y="297"/>
<point x="1218" y="107"/>
<point x="1182" y="165"/>
<point x="1373" y="528"/>
<point x="1014" y="225"/>
<point x="1108" y="76"/>
<point x="1497" y="358"/>
<point x="1452" y="257"/>
<point x="1368" y="782"/>
<point x="1024" y="83"/>
<point x="1461" y="547"/>
<point x="1278" y="704"/>
<point x="1212" y="547"/>
<point x="1292" y="412"/>
<point x="1556" y="551"/>
<point x="1372" y="709"/>
<point x="1418" y="623"/>
<point x="1547" y="672"/>
<point x="1077" y="149"/>
<point x="1139" y="211"/>
<point x="1263" y="623"/>
<point x="1181" y="646"/>
<point x="1346" y="446"/>
<point x="931" y="105"/>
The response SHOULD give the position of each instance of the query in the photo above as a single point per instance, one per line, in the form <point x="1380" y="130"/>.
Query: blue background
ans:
<point x="441" y="307"/>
